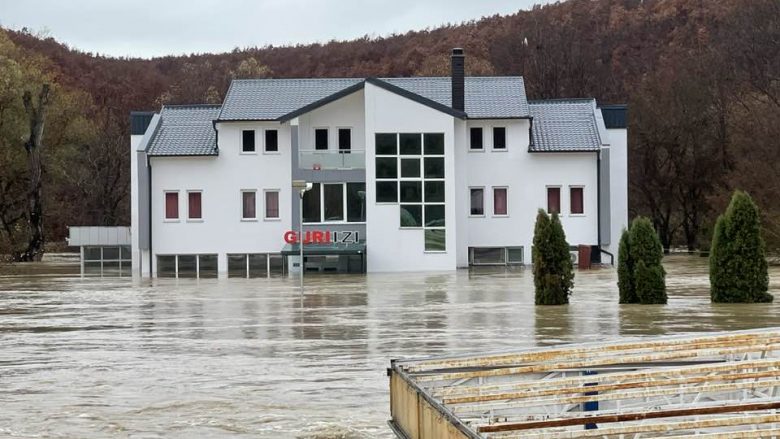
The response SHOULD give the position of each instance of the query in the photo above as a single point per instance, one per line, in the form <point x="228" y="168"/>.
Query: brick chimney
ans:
<point x="458" y="74"/>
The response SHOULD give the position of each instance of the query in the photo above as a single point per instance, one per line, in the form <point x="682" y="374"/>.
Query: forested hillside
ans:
<point x="702" y="78"/>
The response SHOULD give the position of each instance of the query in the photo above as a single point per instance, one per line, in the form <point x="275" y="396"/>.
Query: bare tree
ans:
<point x="37" y="116"/>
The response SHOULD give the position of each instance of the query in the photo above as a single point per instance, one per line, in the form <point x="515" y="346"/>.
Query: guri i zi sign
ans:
<point x="322" y="237"/>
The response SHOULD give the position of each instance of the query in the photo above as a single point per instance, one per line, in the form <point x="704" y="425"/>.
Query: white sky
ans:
<point x="149" y="28"/>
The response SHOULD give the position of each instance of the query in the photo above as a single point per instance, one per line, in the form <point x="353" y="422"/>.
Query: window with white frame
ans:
<point x="499" y="138"/>
<point x="477" y="201"/>
<point x="272" y="204"/>
<point x="475" y="139"/>
<point x="553" y="199"/>
<point x="345" y="139"/>
<point x="271" y="140"/>
<point x="500" y="201"/>
<point x="171" y="205"/>
<point x="248" y="141"/>
<point x="321" y="139"/>
<point x="249" y="204"/>
<point x="194" y="205"/>
<point x="576" y="198"/>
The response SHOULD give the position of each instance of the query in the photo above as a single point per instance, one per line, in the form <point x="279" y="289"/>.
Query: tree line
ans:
<point x="702" y="80"/>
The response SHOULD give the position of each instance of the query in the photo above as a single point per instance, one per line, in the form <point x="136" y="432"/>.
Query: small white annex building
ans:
<point x="409" y="174"/>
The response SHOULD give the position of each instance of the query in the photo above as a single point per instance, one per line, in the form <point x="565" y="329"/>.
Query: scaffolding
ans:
<point x="722" y="385"/>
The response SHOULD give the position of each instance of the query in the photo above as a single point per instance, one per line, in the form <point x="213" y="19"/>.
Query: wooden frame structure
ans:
<point x="722" y="385"/>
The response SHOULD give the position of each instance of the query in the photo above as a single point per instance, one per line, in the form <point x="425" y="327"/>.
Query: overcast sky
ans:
<point x="149" y="28"/>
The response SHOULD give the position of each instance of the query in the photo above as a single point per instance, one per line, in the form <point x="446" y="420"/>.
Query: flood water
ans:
<point x="87" y="358"/>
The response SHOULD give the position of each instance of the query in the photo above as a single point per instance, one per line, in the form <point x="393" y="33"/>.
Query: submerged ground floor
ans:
<point x="95" y="357"/>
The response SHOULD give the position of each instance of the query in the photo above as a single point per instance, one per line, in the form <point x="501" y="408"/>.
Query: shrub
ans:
<point x="553" y="274"/>
<point x="641" y="276"/>
<point x="738" y="267"/>
<point x="625" y="271"/>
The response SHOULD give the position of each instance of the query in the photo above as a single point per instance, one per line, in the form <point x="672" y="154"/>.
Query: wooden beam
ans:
<point x="624" y="417"/>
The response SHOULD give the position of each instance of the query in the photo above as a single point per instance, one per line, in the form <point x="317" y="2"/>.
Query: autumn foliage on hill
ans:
<point x="702" y="79"/>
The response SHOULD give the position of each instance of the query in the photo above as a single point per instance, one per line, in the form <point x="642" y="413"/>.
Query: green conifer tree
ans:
<point x="738" y="267"/>
<point x="649" y="276"/>
<point x="625" y="270"/>
<point x="553" y="274"/>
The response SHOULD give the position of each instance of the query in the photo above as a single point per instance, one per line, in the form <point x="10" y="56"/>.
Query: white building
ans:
<point x="431" y="173"/>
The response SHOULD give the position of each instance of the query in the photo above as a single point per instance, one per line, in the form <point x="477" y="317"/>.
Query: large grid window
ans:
<point x="410" y="171"/>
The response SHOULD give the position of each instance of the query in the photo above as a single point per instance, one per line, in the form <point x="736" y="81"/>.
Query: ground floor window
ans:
<point x="495" y="255"/>
<point x="335" y="202"/>
<point x="254" y="265"/>
<point x="187" y="266"/>
<point x="107" y="261"/>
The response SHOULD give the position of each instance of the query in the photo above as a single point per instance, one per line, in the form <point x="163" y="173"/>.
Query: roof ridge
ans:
<point x="559" y="100"/>
<point x="191" y="105"/>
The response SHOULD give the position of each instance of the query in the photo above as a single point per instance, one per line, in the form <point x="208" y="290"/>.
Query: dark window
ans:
<point x="434" y="191"/>
<point x="194" y="205"/>
<point x="271" y="140"/>
<point x="258" y="265"/>
<point x="434" y="167"/>
<point x="386" y="144"/>
<point x="476" y="138"/>
<point x="411" y="191"/>
<point x="356" y="202"/>
<point x="434" y="143"/>
<point x="386" y="167"/>
<point x="345" y="139"/>
<point x="577" y="205"/>
<point x="410" y="168"/>
<point x="386" y="192"/>
<point x="166" y="266"/>
<point x="411" y="215"/>
<point x="499" y="201"/>
<point x="171" y="205"/>
<point x="321" y="138"/>
<point x="272" y="204"/>
<point x="236" y="265"/>
<point x="434" y="215"/>
<point x="248" y="141"/>
<point x="249" y="201"/>
<point x="435" y="240"/>
<point x="188" y="266"/>
<point x="207" y="266"/>
<point x="410" y="144"/>
<point x="334" y="202"/>
<point x="311" y="205"/>
<point x="477" y="201"/>
<point x="553" y="200"/>
<point x="499" y="138"/>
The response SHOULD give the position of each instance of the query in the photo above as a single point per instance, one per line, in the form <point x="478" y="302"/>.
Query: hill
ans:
<point x="701" y="78"/>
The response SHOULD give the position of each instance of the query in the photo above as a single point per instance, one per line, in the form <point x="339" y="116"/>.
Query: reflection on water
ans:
<point x="249" y="358"/>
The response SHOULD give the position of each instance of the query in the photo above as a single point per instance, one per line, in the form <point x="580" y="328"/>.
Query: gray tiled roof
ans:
<point x="270" y="99"/>
<point x="485" y="96"/>
<point x="185" y="130"/>
<point x="565" y="125"/>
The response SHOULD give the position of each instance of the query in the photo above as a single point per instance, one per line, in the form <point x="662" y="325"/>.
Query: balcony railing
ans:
<point x="332" y="159"/>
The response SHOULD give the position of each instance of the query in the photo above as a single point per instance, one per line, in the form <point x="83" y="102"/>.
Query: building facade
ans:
<point x="408" y="174"/>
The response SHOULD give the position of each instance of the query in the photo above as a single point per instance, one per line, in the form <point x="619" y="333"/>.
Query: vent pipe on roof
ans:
<point x="458" y="74"/>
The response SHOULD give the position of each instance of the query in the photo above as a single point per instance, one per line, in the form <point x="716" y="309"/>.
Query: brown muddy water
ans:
<point x="84" y="358"/>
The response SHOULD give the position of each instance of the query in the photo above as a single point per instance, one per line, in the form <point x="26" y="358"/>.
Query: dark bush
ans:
<point x="641" y="276"/>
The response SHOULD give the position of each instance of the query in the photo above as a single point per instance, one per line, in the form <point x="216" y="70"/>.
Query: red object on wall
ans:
<point x="194" y="205"/>
<point x="583" y="257"/>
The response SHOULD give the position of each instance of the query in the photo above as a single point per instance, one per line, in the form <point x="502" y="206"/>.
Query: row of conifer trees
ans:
<point x="738" y="266"/>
